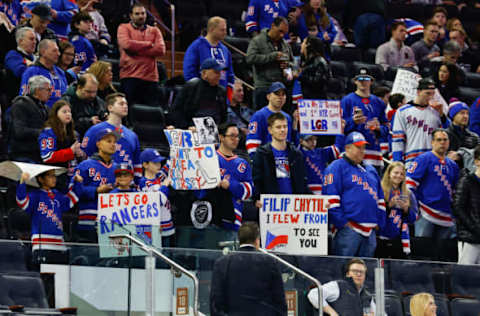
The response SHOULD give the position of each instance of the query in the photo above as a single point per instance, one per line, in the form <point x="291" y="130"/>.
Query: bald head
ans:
<point x="216" y="28"/>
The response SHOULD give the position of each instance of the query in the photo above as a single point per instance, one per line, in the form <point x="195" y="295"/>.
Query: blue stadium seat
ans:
<point x="466" y="280"/>
<point x="393" y="305"/>
<point x="26" y="290"/>
<point x="409" y="277"/>
<point x="465" y="307"/>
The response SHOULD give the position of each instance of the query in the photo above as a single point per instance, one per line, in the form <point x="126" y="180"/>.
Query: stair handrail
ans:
<point x="301" y="272"/>
<point x="149" y="249"/>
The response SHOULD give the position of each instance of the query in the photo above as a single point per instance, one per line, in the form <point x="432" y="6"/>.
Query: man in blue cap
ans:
<point x="258" y="128"/>
<point x="356" y="205"/>
<point x="201" y="97"/>
<point x="458" y="132"/>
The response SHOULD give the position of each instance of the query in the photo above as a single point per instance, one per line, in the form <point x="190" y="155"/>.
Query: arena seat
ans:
<point x="401" y="10"/>
<point x="346" y="53"/>
<point x="466" y="280"/>
<point x="465" y="307"/>
<point x="339" y="68"/>
<point x="375" y="70"/>
<point x="390" y="73"/>
<point x="469" y="14"/>
<point x="472" y="80"/>
<point x="393" y="305"/>
<point x="115" y="68"/>
<point x="408" y="277"/>
<point x="12" y="256"/>
<point x="26" y="290"/>
<point x="468" y="95"/>
<point x="369" y="55"/>
<point x="148" y="123"/>
<point x="336" y="86"/>
<point x="238" y="42"/>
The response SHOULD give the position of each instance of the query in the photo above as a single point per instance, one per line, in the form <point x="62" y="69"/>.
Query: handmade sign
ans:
<point x="13" y="170"/>
<point x="320" y="117"/>
<point x="406" y="83"/>
<point x="294" y="224"/>
<point x="135" y="213"/>
<point x="192" y="165"/>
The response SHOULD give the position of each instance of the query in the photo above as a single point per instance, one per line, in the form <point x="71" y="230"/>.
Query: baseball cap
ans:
<point x="124" y="167"/>
<point x="426" y="83"/>
<point x="363" y="75"/>
<point x="104" y="132"/>
<point x="356" y="139"/>
<point x="152" y="155"/>
<point x="276" y="86"/>
<point x="211" y="63"/>
<point x="455" y="107"/>
<point x="306" y="136"/>
<point x="43" y="11"/>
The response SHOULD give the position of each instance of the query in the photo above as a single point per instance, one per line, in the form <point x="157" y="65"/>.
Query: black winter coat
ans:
<point x="466" y="208"/>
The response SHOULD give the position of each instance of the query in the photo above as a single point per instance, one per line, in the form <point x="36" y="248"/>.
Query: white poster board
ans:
<point x="406" y="83"/>
<point x="136" y="213"/>
<point x="294" y="224"/>
<point x="320" y="117"/>
<point x="193" y="165"/>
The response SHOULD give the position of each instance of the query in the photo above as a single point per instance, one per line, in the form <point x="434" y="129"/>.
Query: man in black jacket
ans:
<point x="28" y="114"/>
<point x="201" y="97"/>
<point x="466" y="208"/>
<point x="247" y="283"/>
<point x="87" y="108"/>
<point x="278" y="166"/>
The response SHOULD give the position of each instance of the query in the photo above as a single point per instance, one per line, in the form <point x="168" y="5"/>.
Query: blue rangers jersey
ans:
<point x="397" y="221"/>
<point x="200" y="50"/>
<point x="238" y="172"/>
<point x="258" y="130"/>
<point x="372" y="107"/>
<point x="433" y="181"/>
<point x="46" y="209"/>
<point x="412" y="131"/>
<point x="84" y="52"/>
<point x="12" y="10"/>
<point x="316" y="161"/>
<point x="56" y="77"/>
<point x="155" y="185"/>
<point x="52" y="152"/>
<point x="261" y="13"/>
<point x="475" y="116"/>
<point x="128" y="146"/>
<point x="355" y="196"/>
<point x="94" y="172"/>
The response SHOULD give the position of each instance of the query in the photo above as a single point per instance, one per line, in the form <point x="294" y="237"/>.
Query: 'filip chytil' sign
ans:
<point x="294" y="224"/>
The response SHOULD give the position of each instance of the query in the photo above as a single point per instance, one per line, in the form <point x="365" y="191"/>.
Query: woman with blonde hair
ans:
<point x="102" y="70"/>
<point x="394" y="239"/>
<point x="423" y="304"/>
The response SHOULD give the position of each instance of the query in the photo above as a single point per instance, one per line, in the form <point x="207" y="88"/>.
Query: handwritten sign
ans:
<point x="406" y="83"/>
<point x="193" y="165"/>
<point x="319" y="117"/>
<point x="135" y="213"/>
<point x="294" y="224"/>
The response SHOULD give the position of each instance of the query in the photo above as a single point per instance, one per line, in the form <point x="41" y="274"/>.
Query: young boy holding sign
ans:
<point x="46" y="206"/>
<point x="152" y="182"/>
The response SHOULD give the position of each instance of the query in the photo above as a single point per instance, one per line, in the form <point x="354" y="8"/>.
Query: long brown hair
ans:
<point x="387" y="183"/>
<point x="57" y="126"/>
<point x="99" y="69"/>
<point x="310" y="19"/>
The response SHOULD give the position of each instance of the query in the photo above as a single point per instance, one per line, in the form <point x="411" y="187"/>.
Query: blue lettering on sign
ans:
<point x="315" y="218"/>
<point x="275" y="205"/>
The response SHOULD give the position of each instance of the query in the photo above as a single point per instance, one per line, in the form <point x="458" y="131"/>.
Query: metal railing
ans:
<point x="302" y="273"/>
<point x="173" y="264"/>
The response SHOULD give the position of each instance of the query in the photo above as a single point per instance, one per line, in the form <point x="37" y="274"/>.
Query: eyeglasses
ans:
<point x="360" y="272"/>
<point x="233" y="136"/>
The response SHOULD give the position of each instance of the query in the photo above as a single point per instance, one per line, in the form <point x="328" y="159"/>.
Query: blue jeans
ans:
<point x="369" y="30"/>
<point x="348" y="242"/>
<point x="424" y="228"/>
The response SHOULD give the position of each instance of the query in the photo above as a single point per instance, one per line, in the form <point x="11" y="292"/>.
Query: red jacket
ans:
<point x="139" y="49"/>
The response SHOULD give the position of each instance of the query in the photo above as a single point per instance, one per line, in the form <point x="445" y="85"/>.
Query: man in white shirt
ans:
<point x="347" y="296"/>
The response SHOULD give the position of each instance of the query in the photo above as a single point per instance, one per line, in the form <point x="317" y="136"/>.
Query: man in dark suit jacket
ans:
<point x="247" y="283"/>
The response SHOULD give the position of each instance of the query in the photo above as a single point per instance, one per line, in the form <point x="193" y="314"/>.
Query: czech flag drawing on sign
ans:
<point x="274" y="241"/>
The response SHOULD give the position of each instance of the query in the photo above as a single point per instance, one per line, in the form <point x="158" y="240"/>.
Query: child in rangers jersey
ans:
<point x="98" y="177"/>
<point x="154" y="181"/>
<point x="46" y="206"/>
<point x="84" y="51"/>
